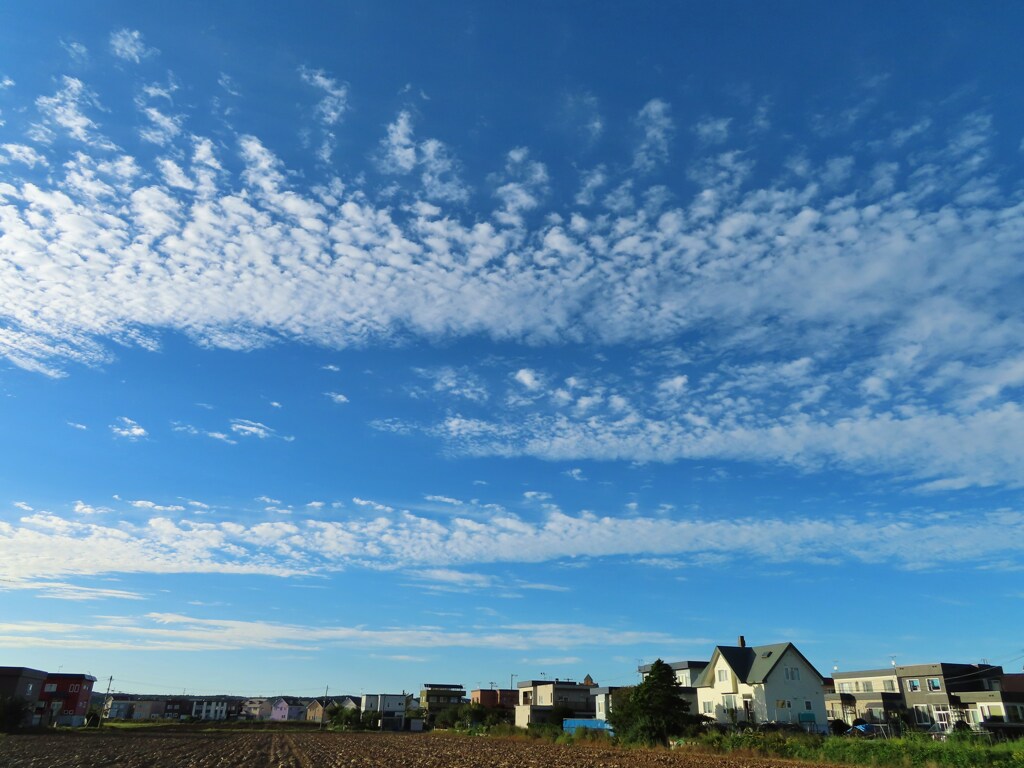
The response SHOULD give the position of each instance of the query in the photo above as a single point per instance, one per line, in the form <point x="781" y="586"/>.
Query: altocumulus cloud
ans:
<point x="905" y="299"/>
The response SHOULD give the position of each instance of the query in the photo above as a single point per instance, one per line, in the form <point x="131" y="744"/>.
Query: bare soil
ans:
<point x="157" y="748"/>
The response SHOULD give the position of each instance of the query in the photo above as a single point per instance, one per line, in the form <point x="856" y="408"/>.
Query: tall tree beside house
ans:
<point x="653" y="711"/>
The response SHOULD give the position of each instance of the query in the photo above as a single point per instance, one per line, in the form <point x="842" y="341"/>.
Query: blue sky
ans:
<point x="371" y="344"/>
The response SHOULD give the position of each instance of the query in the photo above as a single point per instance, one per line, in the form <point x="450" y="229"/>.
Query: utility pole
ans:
<point x="104" y="707"/>
<point x="323" y="710"/>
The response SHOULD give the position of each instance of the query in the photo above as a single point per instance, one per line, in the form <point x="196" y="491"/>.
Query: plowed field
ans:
<point x="191" y="749"/>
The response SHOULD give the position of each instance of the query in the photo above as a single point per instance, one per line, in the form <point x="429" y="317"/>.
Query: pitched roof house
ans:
<point x="762" y="683"/>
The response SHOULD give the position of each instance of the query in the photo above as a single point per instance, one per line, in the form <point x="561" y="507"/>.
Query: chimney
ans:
<point x="742" y="642"/>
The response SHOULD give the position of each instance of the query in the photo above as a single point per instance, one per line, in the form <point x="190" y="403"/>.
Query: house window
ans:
<point x="50" y="687"/>
<point x="921" y="714"/>
<point x="708" y="707"/>
<point x="890" y="685"/>
<point x="845" y="687"/>
<point x="807" y="705"/>
<point x="729" y="701"/>
<point x="723" y="675"/>
<point x="913" y="686"/>
<point x="792" y="673"/>
<point x="73" y="688"/>
<point x="869" y="687"/>
<point x="934" y="684"/>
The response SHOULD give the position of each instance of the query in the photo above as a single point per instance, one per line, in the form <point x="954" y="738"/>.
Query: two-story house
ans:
<point x="288" y="708"/>
<point x="65" y="699"/>
<point x="871" y="695"/>
<point x="686" y="673"/>
<point x="25" y="684"/>
<point x="437" y="697"/>
<point x="762" y="683"/>
<point x="538" y="699"/>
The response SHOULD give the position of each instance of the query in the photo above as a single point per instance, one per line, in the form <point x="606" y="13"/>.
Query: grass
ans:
<point x="914" y="751"/>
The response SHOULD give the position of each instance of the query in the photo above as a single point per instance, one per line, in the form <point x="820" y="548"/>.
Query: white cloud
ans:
<point x="248" y="428"/>
<point x="65" y="109"/>
<point x="144" y="504"/>
<point x="5" y="83"/>
<point x="528" y="378"/>
<point x="713" y="130"/>
<point x="444" y="500"/>
<point x="127" y="44"/>
<point x="78" y="52"/>
<point x="21" y="153"/>
<point x="45" y="546"/>
<point x="177" y="632"/>
<point x="657" y="128"/>
<point x="81" y="508"/>
<point x="336" y="397"/>
<point x="459" y="382"/>
<point x="334" y="102"/>
<point x="23" y="506"/>
<point x="127" y="428"/>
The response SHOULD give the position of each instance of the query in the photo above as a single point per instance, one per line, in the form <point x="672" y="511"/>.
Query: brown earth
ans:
<point x="196" y="749"/>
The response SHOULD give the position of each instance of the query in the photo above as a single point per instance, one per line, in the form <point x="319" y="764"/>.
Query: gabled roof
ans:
<point x="750" y="664"/>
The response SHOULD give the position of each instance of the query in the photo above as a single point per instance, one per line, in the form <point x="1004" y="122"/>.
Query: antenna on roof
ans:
<point x="893" y="657"/>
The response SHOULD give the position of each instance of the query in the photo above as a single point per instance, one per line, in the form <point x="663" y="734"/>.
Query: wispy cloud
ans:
<point x="177" y="632"/>
<point x="128" y="44"/>
<point x="657" y="129"/>
<point x="128" y="429"/>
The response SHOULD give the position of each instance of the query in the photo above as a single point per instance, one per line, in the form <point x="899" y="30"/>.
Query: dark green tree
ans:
<point x="13" y="711"/>
<point x="653" y="711"/>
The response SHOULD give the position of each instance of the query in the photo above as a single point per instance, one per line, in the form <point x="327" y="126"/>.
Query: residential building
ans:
<point x="945" y="693"/>
<point x="320" y="709"/>
<point x="603" y="700"/>
<point x="495" y="698"/>
<point x="288" y="708"/>
<point x="64" y="699"/>
<point x="119" y="706"/>
<point x="25" y="684"/>
<point x="258" y="708"/>
<point x="539" y="699"/>
<point x="686" y="673"/>
<point x="871" y="695"/>
<point x="149" y="709"/>
<point x="216" y="708"/>
<point x="437" y="697"/>
<point x="763" y="683"/>
<point x="392" y="708"/>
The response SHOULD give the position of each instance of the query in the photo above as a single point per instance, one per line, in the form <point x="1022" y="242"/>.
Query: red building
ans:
<point x="496" y="698"/>
<point x="64" y="699"/>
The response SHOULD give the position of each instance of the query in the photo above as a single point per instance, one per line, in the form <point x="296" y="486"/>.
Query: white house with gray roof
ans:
<point x="762" y="683"/>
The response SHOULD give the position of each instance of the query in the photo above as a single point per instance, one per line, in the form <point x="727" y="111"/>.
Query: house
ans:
<point x="603" y="700"/>
<point x="945" y="693"/>
<point x="320" y="709"/>
<point x="437" y="697"/>
<point x="495" y="698"/>
<point x="119" y="706"/>
<point x="216" y="708"/>
<point x="686" y="673"/>
<point x="391" y="706"/>
<point x="288" y="708"/>
<point x="763" y="683"/>
<point x="149" y="709"/>
<point x="258" y="708"/>
<point x="65" y="698"/>
<point x="871" y="695"/>
<point x="25" y="684"/>
<point x="540" y="699"/>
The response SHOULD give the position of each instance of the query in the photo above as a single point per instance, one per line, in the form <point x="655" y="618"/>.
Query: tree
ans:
<point x="653" y="711"/>
<point x="13" y="712"/>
